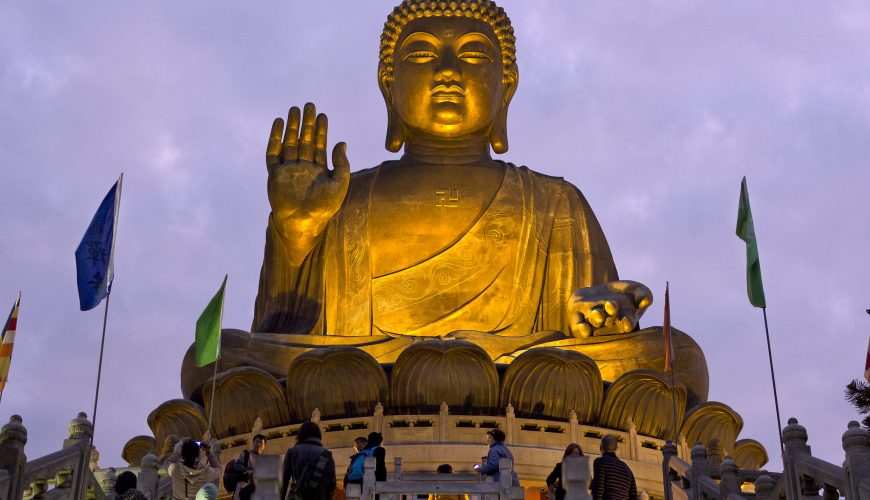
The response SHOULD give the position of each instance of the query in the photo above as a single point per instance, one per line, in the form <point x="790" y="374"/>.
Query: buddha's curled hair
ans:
<point x="485" y="10"/>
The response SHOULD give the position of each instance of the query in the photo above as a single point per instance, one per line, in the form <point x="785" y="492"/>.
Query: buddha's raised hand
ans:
<point x="607" y="309"/>
<point x="303" y="192"/>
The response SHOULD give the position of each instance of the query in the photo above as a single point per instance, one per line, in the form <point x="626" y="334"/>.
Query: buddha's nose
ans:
<point x="448" y="68"/>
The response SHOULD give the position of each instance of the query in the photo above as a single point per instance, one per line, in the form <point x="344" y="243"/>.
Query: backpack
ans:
<point x="235" y="472"/>
<point x="355" y="468"/>
<point x="315" y="477"/>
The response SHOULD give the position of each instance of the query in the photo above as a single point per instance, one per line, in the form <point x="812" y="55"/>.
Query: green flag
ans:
<point x="746" y="232"/>
<point x="208" y="329"/>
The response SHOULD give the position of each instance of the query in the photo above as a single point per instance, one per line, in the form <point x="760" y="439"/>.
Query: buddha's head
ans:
<point x="447" y="72"/>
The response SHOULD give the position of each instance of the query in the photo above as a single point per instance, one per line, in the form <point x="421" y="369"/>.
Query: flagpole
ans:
<point x="773" y="381"/>
<point x="100" y="367"/>
<point x="211" y="406"/>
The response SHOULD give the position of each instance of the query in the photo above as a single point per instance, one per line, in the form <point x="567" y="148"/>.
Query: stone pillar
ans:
<point x="683" y="450"/>
<point x="856" y="444"/>
<point x="669" y="450"/>
<point x="79" y="434"/>
<point x="729" y="473"/>
<point x="505" y="474"/>
<point x="714" y="453"/>
<point x="443" y="418"/>
<point x="633" y="444"/>
<point x="764" y="486"/>
<point x="108" y="483"/>
<point x="267" y="478"/>
<point x="700" y="465"/>
<point x="148" y="479"/>
<point x="378" y="421"/>
<point x="510" y="424"/>
<point x="794" y="437"/>
<point x="368" y="486"/>
<point x="573" y="427"/>
<point x="397" y="469"/>
<point x="575" y="477"/>
<point x="13" y="437"/>
<point x="315" y="416"/>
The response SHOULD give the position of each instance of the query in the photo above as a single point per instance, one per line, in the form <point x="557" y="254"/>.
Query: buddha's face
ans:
<point x="448" y="79"/>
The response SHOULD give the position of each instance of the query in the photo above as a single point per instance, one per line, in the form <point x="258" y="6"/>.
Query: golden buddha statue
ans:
<point x="445" y="242"/>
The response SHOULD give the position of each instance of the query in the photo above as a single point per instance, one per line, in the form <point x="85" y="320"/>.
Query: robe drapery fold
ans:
<point x="510" y="274"/>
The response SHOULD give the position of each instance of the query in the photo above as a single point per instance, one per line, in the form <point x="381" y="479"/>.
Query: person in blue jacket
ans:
<point x="497" y="450"/>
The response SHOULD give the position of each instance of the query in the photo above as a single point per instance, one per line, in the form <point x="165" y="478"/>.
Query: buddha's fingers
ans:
<point x="291" y="136"/>
<point x="596" y="316"/>
<point x="306" y="138"/>
<point x="320" y="126"/>
<point x="340" y="165"/>
<point x="273" y="149"/>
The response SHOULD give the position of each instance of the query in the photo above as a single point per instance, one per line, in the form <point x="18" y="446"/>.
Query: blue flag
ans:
<point x="95" y="253"/>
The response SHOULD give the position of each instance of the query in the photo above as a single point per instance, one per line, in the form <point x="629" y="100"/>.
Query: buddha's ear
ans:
<point x="498" y="136"/>
<point x="395" y="130"/>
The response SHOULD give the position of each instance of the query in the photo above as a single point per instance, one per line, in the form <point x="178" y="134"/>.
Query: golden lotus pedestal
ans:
<point x="435" y="403"/>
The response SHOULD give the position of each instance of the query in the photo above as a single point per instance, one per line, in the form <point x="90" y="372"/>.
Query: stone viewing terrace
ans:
<point x="664" y="470"/>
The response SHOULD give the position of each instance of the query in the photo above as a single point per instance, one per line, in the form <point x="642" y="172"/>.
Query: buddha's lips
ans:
<point x="444" y="93"/>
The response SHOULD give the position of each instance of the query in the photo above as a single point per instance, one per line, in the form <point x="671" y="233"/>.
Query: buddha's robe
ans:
<point x="510" y="274"/>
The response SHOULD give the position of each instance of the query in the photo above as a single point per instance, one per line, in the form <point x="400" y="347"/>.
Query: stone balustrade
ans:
<point x="804" y="476"/>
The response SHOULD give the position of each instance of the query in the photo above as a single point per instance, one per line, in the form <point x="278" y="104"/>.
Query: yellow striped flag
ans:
<point x="8" y="342"/>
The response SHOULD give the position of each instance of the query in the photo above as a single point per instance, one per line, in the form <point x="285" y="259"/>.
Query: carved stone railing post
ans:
<point x="700" y="465"/>
<point x="729" y="482"/>
<point x="683" y="450"/>
<point x="794" y="437"/>
<point x="510" y="424"/>
<point x="148" y="477"/>
<point x="315" y="416"/>
<point x="79" y="434"/>
<point x="764" y="486"/>
<point x="378" y="421"/>
<point x="397" y="469"/>
<point x="13" y="437"/>
<point x="856" y="444"/>
<point x="714" y="453"/>
<point x="368" y="488"/>
<point x="633" y="443"/>
<point x="443" y="419"/>
<point x="108" y="482"/>
<point x="267" y="478"/>
<point x="669" y="450"/>
<point x="574" y="427"/>
<point x="575" y="477"/>
<point x="505" y="471"/>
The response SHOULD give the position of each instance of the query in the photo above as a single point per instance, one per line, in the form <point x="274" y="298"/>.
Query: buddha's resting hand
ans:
<point x="303" y="192"/>
<point x="607" y="309"/>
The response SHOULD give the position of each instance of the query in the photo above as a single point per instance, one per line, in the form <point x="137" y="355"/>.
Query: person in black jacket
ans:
<point x="374" y="442"/>
<point x="554" y="480"/>
<point x="612" y="479"/>
<point x="302" y="460"/>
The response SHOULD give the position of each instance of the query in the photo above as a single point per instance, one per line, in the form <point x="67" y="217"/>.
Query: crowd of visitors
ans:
<point x="309" y="469"/>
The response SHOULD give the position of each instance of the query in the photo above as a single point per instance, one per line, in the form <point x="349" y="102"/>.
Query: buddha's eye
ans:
<point x="420" y="56"/>
<point x="473" y="56"/>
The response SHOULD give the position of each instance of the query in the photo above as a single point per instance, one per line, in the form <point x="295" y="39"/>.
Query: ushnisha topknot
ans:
<point x="485" y="10"/>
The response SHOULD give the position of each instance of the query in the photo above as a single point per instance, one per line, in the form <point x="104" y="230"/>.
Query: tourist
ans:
<point x="446" y="469"/>
<point x="195" y="465"/>
<point x="360" y="443"/>
<point x="208" y="492"/>
<point x="375" y="440"/>
<point x="244" y="469"/>
<point x="497" y="450"/>
<point x="309" y="470"/>
<point x="611" y="478"/>
<point x="169" y="444"/>
<point x="125" y="487"/>
<point x="354" y="474"/>
<point x="555" y="488"/>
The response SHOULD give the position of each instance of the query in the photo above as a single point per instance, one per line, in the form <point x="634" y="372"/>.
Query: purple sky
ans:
<point x="655" y="110"/>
